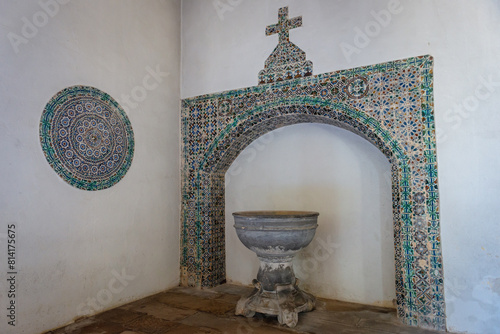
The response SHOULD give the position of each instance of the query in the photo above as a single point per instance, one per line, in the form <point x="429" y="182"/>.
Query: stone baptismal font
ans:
<point x="276" y="236"/>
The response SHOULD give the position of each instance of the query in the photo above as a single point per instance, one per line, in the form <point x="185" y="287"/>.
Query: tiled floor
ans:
<point x="194" y="311"/>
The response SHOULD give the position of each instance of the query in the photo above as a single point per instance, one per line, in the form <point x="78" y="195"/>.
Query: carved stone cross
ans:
<point x="284" y="25"/>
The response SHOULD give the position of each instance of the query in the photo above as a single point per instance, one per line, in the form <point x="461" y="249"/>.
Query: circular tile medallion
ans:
<point x="87" y="138"/>
<point x="357" y="87"/>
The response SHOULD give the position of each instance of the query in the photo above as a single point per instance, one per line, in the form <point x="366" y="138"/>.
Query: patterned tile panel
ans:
<point x="87" y="138"/>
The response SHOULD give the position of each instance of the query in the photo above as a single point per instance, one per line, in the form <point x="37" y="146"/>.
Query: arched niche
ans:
<point x="321" y="168"/>
<point x="390" y="105"/>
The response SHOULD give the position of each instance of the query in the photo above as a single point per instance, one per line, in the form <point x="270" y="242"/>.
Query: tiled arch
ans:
<point x="390" y="105"/>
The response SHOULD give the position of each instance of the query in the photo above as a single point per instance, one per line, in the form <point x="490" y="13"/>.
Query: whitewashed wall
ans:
<point x="224" y="47"/>
<point x="80" y="252"/>
<point x="343" y="177"/>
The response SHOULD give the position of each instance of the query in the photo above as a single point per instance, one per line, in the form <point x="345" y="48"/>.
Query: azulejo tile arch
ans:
<point x="389" y="104"/>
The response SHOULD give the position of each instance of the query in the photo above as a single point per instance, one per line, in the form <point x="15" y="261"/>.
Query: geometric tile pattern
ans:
<point x="389" y="104"/>
<point x="87" y="138"/>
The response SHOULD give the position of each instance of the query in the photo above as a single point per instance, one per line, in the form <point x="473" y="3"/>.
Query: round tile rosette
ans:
<point x="87" y="138"/>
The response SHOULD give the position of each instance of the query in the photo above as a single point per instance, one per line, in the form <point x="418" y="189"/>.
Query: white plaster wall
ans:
<point x="343" y="177"/>
<point x="73" y="244"/>
<point x="225" y="48"/>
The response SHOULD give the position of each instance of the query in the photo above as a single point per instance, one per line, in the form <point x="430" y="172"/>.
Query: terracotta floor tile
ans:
<point x="139" y="302"/>
<point x="232" y="325"/>
<point x="233" y="289"/>
<point x="118" y="315"/>
<point x="216" y="307"/>
<point x="211" y="311"/>
<point x="202" y="293"/>
<point x="186" y="329"/>
<point x="391" y="325"/>
<point x="150" y="325"/>
<point x="193" y="302"/>
<point x="177" y="299"/>
<point x="101" y="328"/>
<point x="163" y="311"/>
<point x="230" y="299"/>
<point x="75" y="327"/>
